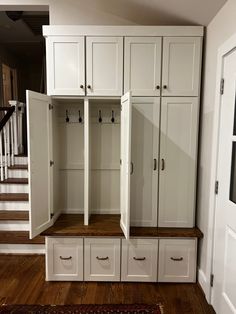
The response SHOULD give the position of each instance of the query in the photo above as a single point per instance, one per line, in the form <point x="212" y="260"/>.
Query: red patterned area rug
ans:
<point x="83" y="309"/>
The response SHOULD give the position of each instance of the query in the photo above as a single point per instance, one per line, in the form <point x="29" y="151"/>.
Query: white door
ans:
<point x="181" y="66"/>
<point x="142" y="65"/>
<point x="39" y="131"/>
<point x="178" y="161"/>
<point x="104" y="61"/>
<point x="126" y="121"/>
<point x="65" y="66"/>
<point x="224" y="261"/>
<point x="145" y="143"/>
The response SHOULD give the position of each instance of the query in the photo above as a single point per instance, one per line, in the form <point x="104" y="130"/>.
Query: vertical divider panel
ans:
<point x="86" y="162"/>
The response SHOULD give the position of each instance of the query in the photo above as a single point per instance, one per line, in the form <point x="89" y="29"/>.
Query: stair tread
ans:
<point x="15" y="181"/>
<point x="19" y="237"/>
<point x="18" y="167"/>
<point x="21" y="155"/>
<point x="11" y="197"/>
<point x="14" y="215"/>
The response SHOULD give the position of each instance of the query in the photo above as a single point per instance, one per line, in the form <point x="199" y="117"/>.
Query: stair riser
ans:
<point x="22" y="248"/>
<point x="14" y="205"/>
<point x="9" y="225"/>
<point x="14" y="188"/>
<point x="21" y="160"/>
<point x="17" y="173"/>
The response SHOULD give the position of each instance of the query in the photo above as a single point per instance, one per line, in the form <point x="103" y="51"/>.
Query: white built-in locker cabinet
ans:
<point x="104" y="66"/>
<point x="178" y="161"/>
<point x="39" y="125"/>
<point x="181" y="66"/>
<point x="142" y="65"/>
<point x="144" y="157"/>
<point x="65" y="65"/>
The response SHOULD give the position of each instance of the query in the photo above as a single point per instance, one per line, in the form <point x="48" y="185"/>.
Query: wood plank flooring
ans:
<point x="22" y="282"/>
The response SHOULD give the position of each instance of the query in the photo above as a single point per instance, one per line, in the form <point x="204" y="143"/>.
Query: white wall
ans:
<point x="68" y="12"/>
<point x="218" y="31"/>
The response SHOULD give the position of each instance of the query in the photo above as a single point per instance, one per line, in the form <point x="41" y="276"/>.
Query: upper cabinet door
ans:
<point x="181" y="66"/>
<point x="104" y="66"/>
<point x="39" y="119"/>
<point x="126" y="169"/>
<point x="178" y="161"/>
<point x="142" y="70"/>
<point x="65" y="66"/>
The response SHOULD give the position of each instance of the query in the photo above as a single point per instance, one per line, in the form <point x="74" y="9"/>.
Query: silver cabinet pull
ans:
<point x="102" y="258"/>
<point x="65" y="258"/>
<point x="175" y="259"/>
<point x="162" y="164"/>
<point x="131" y="168"/>
<point x="155" y="164"/>
<point x="139" y="258"/>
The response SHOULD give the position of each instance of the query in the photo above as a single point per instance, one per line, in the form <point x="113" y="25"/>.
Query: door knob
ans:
<point x="81" y="86"/>
<point x="165" y="86"/>
<point x="89" y="86"/>
<point x="158" y="87"/>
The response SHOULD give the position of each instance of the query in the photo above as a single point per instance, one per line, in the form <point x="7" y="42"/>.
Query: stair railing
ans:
<point x="11" y="136"/>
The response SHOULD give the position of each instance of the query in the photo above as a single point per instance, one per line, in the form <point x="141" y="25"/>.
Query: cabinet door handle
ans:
<point x="139" y="258"/>
<point x="175" y="259"/>
<point x="162" y="164"/>
<point x="155" y="164"/>
<point x="131" y="168"/>
<point x="89" y="86"/>
<point x="65" y="258"/>
<point x="158" y="87"/>
<point x="102" y="258"/>
<point x="81" y="86"/>
<point x="165" y="86"/>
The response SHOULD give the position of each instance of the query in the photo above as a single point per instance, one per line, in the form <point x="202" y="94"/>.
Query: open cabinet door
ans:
<point x="39" y="130"/>
<point x="125" y="171"/>
<point x="87" y="168"/>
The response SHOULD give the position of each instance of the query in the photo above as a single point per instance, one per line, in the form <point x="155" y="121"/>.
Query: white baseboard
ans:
<point x="205" y="285"/>
<point x="22" y="248"/>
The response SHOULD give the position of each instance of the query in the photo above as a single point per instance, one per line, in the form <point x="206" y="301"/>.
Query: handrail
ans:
<point x="7" y="116"/>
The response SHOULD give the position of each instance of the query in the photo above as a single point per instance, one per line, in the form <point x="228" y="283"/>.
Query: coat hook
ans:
<point x="67" y="116"/>
<point x="80" y="118"/>
<point x="112" y="116"/>
<point x="100" y="116"/>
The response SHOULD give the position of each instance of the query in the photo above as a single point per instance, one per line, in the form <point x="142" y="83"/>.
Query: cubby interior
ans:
<point x="104" y="126"/>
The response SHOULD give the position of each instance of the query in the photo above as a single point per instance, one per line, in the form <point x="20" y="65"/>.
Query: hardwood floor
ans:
<point x="22" y="282"/>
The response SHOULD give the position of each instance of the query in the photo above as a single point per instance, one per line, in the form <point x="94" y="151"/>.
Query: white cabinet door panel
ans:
<point x="142" y="69"/>
<point x="104" y="66"/>
<point x="39" y="125"/>
<point x="178" y="161"/>
<point x="125" y="169"/>
<point x="181" y="66"/>
<point x="65" y="66"/>
<point x="144" y="155"/>
<point x="177" y="260"/>
<point x="139" y="260"/>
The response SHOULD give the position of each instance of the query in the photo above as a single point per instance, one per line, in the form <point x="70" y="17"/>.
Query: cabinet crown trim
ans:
<point x="88" y="30"/>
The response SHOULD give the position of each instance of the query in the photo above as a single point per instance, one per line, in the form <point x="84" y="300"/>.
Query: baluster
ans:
<point x="1" y="158"/>
<point x="15" y="133"/>
<point x="5" y="152"/>
<point x="20" y="128"/>
<point x="12" y="142"/>
<point x="8" y="144"/>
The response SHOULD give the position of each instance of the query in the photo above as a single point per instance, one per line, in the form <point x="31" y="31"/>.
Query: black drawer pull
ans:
<point x="65" y="258"/>
<point x="177" y="259"/>
<point x="102" y="258"/>
<point x="139" y="258"/>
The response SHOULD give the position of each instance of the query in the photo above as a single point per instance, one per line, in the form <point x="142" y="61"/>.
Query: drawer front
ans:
<point x="64" y="259"/>
<point x="102" y="259"/>
<point x="139" y="260"/>
<point x="177" y="260"/>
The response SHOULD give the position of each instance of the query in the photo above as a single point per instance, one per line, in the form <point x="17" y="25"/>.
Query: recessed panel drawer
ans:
<point x="64" y="259"/>
<point x="102" y="259"/>
<point x="177" y="260"/>
<point x="139" y="260"/>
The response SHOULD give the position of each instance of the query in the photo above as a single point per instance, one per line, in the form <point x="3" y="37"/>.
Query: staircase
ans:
<point x="14" y="197"/>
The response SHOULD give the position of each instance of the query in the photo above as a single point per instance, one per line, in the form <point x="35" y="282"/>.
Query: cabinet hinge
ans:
<point x="50" y="106"/>
<point x="222" y="86"/>
<point x="51" y="163"/>
<point x="216" y="187"/>
<point x="120" y="161"/>
<point x="212" y="280"/>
